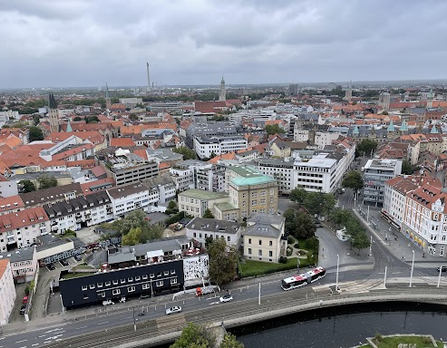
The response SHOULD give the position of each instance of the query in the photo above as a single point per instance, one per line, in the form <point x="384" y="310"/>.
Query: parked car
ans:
<point x="173" y="310"/>
<point x="23" y="309"/>
<point x="226" y="298"/>
<point x="64" y="262"/>
<point x="25" y="300"/>
<point x="122" y="300"/>
<point x="141" y="314"/>
<point x="107" y="302"/>
<point x="51" y="266"/>
<point x="318" y="224"/>
<point x="444" y="268"/>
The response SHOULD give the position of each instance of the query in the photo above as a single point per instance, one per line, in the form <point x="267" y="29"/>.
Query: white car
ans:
<point x="226" y="298"/>
<point x="107" y="302"/>
<point x="173" y="310"/>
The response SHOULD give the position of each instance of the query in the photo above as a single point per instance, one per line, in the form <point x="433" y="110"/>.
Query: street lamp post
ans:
<point x="412" y="269"/>
<point x="134" y="321"/>
<point x="336" y="275"/>
<point x="439" y="277"/>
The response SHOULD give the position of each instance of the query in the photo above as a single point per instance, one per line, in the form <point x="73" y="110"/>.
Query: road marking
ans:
<point x="104" y="322"/>
<point x="42" y="336"/>
<point x="58" y="329"/>
<point x="126" y="318"/>
<point x="17" y="342"/>
<point x="35" y="344"/>
<point x="81" y="327"/>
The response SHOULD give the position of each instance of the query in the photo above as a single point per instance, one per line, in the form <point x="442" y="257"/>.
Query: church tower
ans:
<point x="108" y="100"/>
<point x="222" y="92"/>
<point x="348" y="93"/>
<point x="53" y="114"/>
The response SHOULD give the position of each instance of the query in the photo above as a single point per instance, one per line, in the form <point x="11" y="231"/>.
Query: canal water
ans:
<point x="345" y="326"/>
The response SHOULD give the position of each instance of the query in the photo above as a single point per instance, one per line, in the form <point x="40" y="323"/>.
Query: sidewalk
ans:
<point x="393" y="240"/>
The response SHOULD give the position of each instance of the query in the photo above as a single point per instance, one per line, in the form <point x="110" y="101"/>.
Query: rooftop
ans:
<point x="213" y="225"/>
<point x="200" y="194"/>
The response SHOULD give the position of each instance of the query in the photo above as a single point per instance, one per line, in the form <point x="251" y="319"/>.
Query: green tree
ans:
<point x="133" y="117"/>
<point x="340" y="216"/>
<point x="186" y="152"/>
<point x="208" y="214"/>
<point x="289" y="215"/>
<point x="35" y="133"/>
<point x="274" y="129"/>
<point x="132" y="237"/>
<point x="152" y="232"/>
<point x="298" y="195"/>
<point x="193" y="336"/>
<point x="91" y="119"/>
<point x="222" y="267"/>
<point x="304" y="226"/>
<point x="46" y="181"/>
<point x="230" y="341"/>
<point x="360" y="240"/>
<point x="135" y="219"/>
<point x="407" y="168"/>
<point x="366" y="147"/>
<point x="353" y="180"/>
<point x="28" y="186"/>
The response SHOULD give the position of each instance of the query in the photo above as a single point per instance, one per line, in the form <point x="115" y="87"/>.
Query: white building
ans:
<point x="325" y="138"/>
<point x="127" y="198"/>
<point x="200" y="229"/>
<point x="161" y="189"/>
<point x="317" y="174"/>
<point x="375" y="173"/>
<point x="8" y="187"/>
<point x="23" y="264"/>
<point x="208" y="147"/>
<point x="280" y="169"/>
<point x="80" y="212"/>
<point x="183" y="178"/>
<point x="7" y="291"/>
<point x="21" y="228"/>
<point x="300" y="135"/>
<point x="195" y="202"/>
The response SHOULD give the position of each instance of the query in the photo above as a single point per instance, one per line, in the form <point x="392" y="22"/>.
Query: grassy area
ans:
<point x="253" y="268"/>
<point x="393" y="342"/>
<point x="82" y="266"/>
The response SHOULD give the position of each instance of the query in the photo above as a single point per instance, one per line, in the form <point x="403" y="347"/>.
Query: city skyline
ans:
<point x="79" y="43"/>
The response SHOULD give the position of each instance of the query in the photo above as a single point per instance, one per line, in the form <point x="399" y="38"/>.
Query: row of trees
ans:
<point x="316" y="203"/>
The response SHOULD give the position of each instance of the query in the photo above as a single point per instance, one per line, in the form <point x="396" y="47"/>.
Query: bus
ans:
<point x="303" y="279"/>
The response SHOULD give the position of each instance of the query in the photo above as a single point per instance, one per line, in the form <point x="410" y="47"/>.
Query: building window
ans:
<point x="131" y="289"/>
<point x="122" y="281"/>
<point x="116" y="292"/>
<point x="107" y="283"/>
<point x="146" y="286"/>
<point x="137" y="278"/>
<point x="92" y="286"/>
<point x="249" y="251"/>
<point x="99" y="285"/>
<point x="172" y="271"/>
<point x="160" y="283"/>
<point x="270" y="243"/>
<point x="152" y="275"/>
<point x="115" y="282"/>
<point x="260" y="242"/>
<point x="270" y="253"/>
<point x="84" y="287"/>
<point x="173" y="281"/>
<point x="249" y="240"/>
<point x="144" y="276"/>
<point x="101" y="294"/>
<point x="259" y="252"/>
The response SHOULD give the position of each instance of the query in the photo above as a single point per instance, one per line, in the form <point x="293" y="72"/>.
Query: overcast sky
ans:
<point x="62" y="43"/>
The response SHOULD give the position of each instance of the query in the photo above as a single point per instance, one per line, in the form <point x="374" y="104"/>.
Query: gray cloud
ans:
<point x="86" y="43"/>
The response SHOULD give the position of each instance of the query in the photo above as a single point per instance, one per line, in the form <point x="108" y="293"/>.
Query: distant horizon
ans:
<point x="363" y="83"/>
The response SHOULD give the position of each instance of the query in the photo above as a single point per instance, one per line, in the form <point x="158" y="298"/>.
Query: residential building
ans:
<point x="127" y="198"/>
<point x="126" y="167"/>
<point x="251" y="191"/>
<point x="195" y="202"/>
<point x="300" y="135"/>
<point x="7" y="291"/>
<point x="51" y="195"/>
<point x="21" y="229"/>
<point x="208" y="130"/>
<point x="161" y="189"/>
<point x="23" y="264"/>
<point x="11" y="205"/>
<point x="264" y="238"/>
<point x="79" y="212"/>
<point x="200" y="229"/>
<point x="325" y="138"/>
<point x="207" y="147"/>
<point x="279" y="148"/>
<point x="375" y="173"/>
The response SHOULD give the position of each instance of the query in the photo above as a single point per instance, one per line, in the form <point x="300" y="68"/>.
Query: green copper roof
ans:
<point x="256" y="180"/>
<point x="390" y="127"/>
<point x="201" y="194"/>
<point x="404" y="126"/>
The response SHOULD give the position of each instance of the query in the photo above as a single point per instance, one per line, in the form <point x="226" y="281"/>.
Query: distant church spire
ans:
<point x="53" y="114"/>
<point x="222" y="92"/>
<point x="108" y="100"/>
<point x="348" y="93"/>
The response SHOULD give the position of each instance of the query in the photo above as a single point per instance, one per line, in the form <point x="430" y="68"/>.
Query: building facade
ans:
<point x="7" y="291"/>
<point x="375" y="173"/>
<point x="200" y="229"/>
<point x="128" y="198"/>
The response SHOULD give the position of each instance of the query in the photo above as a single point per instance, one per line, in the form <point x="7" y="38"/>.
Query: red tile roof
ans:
<point x="23" y="218"/>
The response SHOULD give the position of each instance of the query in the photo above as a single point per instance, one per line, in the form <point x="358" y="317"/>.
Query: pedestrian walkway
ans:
<point x="392" y="239"/>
